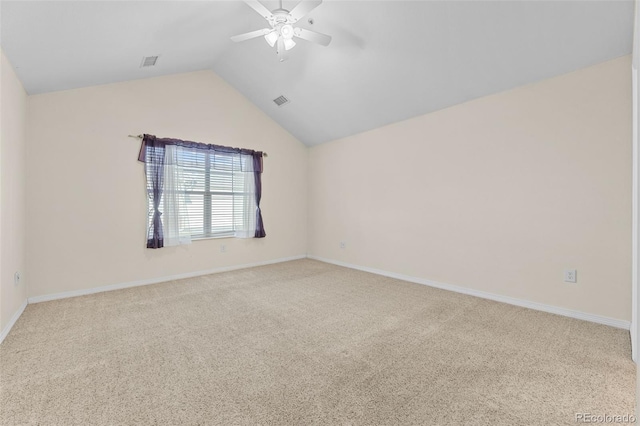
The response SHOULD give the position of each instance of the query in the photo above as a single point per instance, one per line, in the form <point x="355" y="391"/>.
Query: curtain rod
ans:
<point x="264" y="154"/>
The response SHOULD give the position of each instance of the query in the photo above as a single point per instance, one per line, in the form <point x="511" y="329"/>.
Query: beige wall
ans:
<point x="13" y="108"/>
<point x="635" y="330"/>
<point x="86" y="204"/>
<point x="499" y="194"/>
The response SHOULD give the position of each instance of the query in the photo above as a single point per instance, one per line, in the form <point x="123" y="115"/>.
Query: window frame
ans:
<point x="207" y="194"/>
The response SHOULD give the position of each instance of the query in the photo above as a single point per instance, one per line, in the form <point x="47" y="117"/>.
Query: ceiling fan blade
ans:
<point x="259" y="7"/>
<point x="312" y="36"/>
<point x="282" y="56"/>
<point x="304" y="7"/>
<point x="252" y="34"/>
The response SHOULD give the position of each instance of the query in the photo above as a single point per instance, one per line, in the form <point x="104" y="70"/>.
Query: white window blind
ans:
<point x="206" y="195"/>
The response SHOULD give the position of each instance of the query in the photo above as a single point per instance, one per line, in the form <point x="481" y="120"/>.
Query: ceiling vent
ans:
<point x="149" y="61"/>
<point x="280" y="100"/>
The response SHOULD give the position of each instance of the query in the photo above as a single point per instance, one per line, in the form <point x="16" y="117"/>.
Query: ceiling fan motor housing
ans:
<point x="280" y="16"/>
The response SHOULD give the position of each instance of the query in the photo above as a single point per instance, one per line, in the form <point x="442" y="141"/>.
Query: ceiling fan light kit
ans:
<point x="282" y="31"/>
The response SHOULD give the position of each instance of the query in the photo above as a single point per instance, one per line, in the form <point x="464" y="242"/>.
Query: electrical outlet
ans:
<point x="223" y="248"/>
<point x="16" y="278"/>
<point x="570" y="276"/>
<point x="343" y="244"/>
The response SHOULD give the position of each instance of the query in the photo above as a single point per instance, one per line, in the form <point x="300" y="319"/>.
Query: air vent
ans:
<point x="280" y="100"/>
<point x="149" y="61"/>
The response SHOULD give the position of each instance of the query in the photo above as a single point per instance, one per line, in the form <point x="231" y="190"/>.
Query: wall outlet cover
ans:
<point x="570" y="276"/>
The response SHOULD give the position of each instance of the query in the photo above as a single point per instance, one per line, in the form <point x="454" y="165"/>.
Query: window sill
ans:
<point x="221" y="237"/>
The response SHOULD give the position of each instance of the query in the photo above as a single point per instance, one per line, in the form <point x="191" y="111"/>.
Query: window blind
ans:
<point x="214" y="201"/>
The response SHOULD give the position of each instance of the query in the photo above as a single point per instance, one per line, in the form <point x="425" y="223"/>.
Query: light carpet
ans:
<point x="306" y="343"/>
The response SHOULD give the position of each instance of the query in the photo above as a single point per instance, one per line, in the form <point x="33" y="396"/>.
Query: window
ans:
<point x="215" y="198"/>
<point x="195" y="192"/>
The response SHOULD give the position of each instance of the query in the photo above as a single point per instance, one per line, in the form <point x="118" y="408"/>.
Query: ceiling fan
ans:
<point x="282" y="32"/>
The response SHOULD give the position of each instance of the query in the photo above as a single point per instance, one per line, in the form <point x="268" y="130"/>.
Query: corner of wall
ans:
<point x="13" y="98"/>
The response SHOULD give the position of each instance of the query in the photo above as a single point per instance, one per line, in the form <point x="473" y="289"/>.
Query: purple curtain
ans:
<point x="150" y="139"/>
<point x="257" y="175"/>
<point x="152" y="153"/>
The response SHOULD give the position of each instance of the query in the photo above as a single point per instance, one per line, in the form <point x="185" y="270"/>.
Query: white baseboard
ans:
<point x="84" y="292"/>
<point x="12" y="321"/>
<point x="486" y="295"/>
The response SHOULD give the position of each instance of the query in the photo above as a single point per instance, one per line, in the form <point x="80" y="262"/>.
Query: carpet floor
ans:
<point x="306" y="343"/>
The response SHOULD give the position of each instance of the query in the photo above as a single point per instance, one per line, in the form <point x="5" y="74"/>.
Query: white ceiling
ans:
<point x="388" y="61"/>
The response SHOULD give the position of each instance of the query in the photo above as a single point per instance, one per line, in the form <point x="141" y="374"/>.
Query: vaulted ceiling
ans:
<point x="388" y="60"/>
